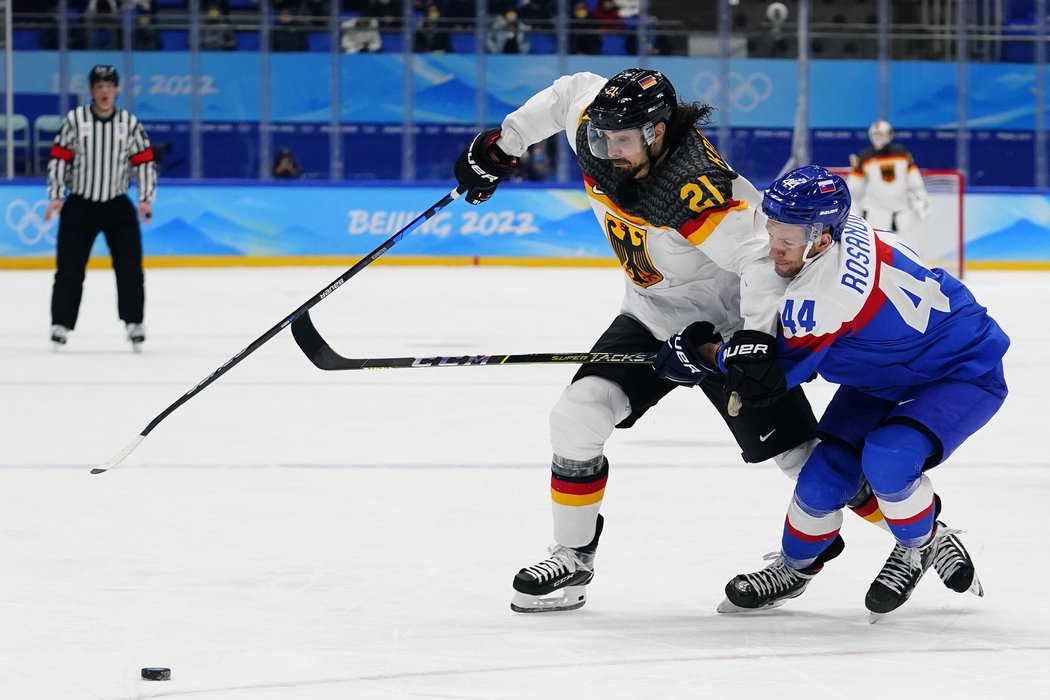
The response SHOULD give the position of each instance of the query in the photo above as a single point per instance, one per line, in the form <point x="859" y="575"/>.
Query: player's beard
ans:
<point x="626" y="185"/>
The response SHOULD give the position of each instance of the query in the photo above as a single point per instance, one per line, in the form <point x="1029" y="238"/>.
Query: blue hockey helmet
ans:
<point x="812" y="197"/>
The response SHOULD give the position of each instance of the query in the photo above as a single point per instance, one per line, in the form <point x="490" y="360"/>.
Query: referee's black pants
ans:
<point x="80" y="222"/>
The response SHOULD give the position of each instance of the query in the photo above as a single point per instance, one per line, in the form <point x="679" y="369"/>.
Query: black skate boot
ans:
<point x="954" y="565"/>
<point x="776" y="584"/>
<point x="900" y="575"/>
<point x="136" y="335"/>
<point x="59" y="336"/>
<point x="558" y="582"/>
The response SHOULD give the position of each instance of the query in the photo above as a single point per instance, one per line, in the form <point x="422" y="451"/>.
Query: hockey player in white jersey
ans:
<point x="683" y="226"/>
<point x="887" y="187"/>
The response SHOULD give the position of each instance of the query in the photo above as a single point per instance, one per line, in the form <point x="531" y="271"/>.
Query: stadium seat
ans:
<point x="19" y="136"/>
<point x="45" y="128"/>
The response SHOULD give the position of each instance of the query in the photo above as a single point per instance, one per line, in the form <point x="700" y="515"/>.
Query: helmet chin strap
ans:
<point x="806" y="260"/>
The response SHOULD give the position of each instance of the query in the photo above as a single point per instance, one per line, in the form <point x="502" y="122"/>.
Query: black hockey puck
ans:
<point x="156" y="674"/>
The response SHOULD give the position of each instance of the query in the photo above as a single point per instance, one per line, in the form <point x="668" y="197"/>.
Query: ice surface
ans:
<point x="291" y="533"/>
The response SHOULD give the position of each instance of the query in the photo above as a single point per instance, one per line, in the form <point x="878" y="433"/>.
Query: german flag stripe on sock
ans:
<point x="869" y="510"/>
<point x="572" y="493"/>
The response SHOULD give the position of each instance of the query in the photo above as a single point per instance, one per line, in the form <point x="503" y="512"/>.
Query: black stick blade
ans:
<point x="313" y="345"/>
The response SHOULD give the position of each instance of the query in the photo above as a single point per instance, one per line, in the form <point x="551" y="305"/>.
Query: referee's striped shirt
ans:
<point x="91" y="157"/>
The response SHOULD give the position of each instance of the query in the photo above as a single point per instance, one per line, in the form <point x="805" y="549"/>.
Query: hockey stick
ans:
<point x="324" y="357"/>
<point x="258" y="342"/>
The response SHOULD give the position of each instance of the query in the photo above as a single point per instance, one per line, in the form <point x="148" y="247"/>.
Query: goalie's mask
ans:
<point x="811" y="197"/>
<point x="623" y="117"/>
<point x="880" y="133"/>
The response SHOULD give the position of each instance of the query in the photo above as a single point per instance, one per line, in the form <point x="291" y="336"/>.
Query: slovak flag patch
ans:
<point x="647" y="82"/>
<point x="826" y="186"/>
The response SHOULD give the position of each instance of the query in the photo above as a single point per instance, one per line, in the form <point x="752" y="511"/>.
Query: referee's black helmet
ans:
<point x="103" y="74"/>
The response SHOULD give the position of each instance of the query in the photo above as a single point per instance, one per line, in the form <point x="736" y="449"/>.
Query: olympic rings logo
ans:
<point x="745" y="93"/>
<point x="28" y="221"/>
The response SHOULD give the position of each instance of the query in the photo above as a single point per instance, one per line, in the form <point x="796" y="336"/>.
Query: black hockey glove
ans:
<point x="679" y="358"/>
<point x="482" y="166"/>
<point x="753" y="375"/>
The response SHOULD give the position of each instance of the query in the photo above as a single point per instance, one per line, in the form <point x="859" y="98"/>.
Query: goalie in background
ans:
<point x="887" y="187"/>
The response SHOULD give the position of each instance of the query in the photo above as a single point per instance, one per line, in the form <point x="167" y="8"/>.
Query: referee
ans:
<point x="92" y="154"/>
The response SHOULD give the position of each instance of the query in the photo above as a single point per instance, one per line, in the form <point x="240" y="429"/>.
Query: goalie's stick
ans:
<point x="324" y="357"/>
<point x="258" y="342"/>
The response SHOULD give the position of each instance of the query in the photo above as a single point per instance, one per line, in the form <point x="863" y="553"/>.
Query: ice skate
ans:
<point x="768" y="588"/>
<point x="558" y="582"/>
<point x="137" y="336"/>
<point x="953" y="563"/>
<point x="900" y="575"/>
<point x="776" y="584"/>
<point x="59" y="336"/>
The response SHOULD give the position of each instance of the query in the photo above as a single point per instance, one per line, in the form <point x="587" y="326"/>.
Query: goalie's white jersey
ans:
<point x="694" y="241"/>
<point x="886" y="180"/>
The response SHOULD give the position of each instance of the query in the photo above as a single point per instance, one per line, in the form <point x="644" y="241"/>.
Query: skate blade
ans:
<point x="976" y="588"/>
<point x="568" y="598"/>
<point x="136" y="347"/>
<point x="729" y="607"/>
<point x="874" y="617"/>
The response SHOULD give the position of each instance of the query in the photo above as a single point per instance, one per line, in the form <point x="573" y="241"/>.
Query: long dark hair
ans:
<point x="688" y="116"/>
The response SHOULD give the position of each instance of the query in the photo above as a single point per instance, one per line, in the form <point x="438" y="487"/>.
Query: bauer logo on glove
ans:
<point x="679" y="358"/>
<point x="482" y="166"/>
<point x="754" y="377"/>
<point x="753" y="349"/>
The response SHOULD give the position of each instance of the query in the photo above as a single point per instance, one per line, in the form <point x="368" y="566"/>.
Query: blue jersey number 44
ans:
<point x="804" y="319"/>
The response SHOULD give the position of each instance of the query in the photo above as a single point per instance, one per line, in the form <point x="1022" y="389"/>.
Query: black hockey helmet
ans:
<point x="633" y="98"/>
<point x="103" y="74"/>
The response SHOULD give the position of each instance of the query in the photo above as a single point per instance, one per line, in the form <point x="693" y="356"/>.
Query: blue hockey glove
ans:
<point x="679" y="358"/>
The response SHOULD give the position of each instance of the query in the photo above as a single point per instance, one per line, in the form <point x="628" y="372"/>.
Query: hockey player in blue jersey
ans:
<point x="919" y="367"/>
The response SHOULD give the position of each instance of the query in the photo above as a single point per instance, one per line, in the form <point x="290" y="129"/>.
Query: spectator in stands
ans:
<point x="507" y="34"/>
<point x="607" y="15"/>
<point x="216" y="31"/>
<point x="288" y="33"/>
<point x="583" y="31"/>
<point x="144" y="37"/>
<point x="431" y="36"/>
<point x="537" y="163"/>
<point x="285" y="166"/>
<point x="102" y="25"/>
<point x="360" y="34"/>
<point x="630" y="8"/>
<point x="538" y="14"/>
